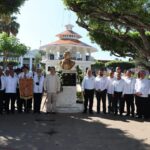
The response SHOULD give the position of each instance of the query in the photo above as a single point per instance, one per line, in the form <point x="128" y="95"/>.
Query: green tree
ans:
<point x="79" y="74"/>
<point x="124" y="65"/>
<point x="11" y="47"/>
<point x="9" y="25"/>
<point x="37" y="59"/>
<point x="10" y="6"/>
<point x="98" y="65"/>
<point x="120" y="26"/>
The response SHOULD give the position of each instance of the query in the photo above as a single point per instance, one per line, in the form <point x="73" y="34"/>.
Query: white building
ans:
<point x="68" y="40"/>
<point x="28" y="59"/>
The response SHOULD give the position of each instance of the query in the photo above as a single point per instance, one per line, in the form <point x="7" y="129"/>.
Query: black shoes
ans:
<point x="84" y="112"/>
<point x="51" y="113"/>
<point x="47" y="113"/>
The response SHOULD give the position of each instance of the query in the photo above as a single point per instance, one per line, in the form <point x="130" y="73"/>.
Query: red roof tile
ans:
<point x="68" y="32"/>
<point x="72" y="42"/>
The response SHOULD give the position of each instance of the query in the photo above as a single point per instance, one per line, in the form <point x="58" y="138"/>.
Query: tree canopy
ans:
<point x="10" y="6"/>
<point x="10" y="46"/>
<point x="119" y="26"/>
<point x="9" y="25"/>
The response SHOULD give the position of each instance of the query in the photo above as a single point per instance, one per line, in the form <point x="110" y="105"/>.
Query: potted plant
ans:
<point x="79" y="95"/>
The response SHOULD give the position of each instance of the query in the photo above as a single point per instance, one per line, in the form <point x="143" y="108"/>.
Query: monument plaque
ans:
<point x="69" y="79"/>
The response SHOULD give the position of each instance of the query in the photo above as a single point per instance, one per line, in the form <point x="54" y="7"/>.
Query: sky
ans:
<point x="41" y="20"/>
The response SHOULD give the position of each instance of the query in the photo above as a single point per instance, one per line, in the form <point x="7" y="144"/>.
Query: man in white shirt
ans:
<point x="11" y="82"/>
<point x="137" y="103"/>
<point x="118" y="84"/>
<point x="110" y="91"/>
<point x="87" y="86"/>
<point x="101" y="89"/>
<point x="2" y="88"/>
<point x="128" y="92"/>
<point x="38" y="90"/>
<point x="52" y="88"/>
<point x="142" y="87"/>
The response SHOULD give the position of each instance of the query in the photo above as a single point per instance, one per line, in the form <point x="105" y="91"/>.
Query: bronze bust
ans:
<point x="67" y="63"/>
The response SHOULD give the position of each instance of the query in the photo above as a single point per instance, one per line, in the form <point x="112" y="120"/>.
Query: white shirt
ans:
<point x="2" y="78"/>
<point x="129" y="86"/>
<point x="52" y="83"/>
<point x="88" y="83"/>
<point x="118" y="85"/>
<point x="11" y="84"/>
<point x="38" y="79"/>
<point x="23" y="75"/>
<point x="142" y="86"/>
<point x="110" y="87"/>
<point x="100" y="83"/>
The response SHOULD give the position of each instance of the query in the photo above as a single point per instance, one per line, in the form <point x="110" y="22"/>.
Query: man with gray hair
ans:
<point x="52" y="88"/>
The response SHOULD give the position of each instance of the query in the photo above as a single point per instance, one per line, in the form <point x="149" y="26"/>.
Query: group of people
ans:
<point x="120" y="90"/>
<point x="10" y="92"/>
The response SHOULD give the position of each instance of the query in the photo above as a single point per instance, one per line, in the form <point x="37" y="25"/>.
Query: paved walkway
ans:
<point x="73" y="132"/>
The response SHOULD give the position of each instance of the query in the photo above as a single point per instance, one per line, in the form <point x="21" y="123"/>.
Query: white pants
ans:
<point x="51" y="102"/>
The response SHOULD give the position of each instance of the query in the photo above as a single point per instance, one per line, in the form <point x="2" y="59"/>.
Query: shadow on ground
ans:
<point x="122" y="118"/>
<point x="62" y="132"/>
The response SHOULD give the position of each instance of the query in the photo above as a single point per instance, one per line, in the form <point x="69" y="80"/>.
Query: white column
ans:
<point x="30" y="63"/>
<point x="21" y="61"/>
<point x="83" y="56"/>
<point x="89" y="56"/>
<point x="47" y="55"/>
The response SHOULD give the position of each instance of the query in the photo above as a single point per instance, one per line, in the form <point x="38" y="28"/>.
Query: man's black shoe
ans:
<point x="91" y="112"/>
<point x="84" y="112"/>
<point x="47" y="113"/>
<point x="53" y="113"/>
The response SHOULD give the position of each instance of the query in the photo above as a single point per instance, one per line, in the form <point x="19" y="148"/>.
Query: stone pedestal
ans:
<point x="66" y="100"/>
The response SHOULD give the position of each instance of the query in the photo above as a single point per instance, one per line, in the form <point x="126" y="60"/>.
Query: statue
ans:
<point x="67" y="63"/>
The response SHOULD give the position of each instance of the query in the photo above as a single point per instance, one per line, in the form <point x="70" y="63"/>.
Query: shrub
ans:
<point x="124" y="65"/>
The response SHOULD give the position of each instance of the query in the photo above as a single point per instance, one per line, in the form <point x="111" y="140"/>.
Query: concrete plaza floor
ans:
<point x="73" y="132"/>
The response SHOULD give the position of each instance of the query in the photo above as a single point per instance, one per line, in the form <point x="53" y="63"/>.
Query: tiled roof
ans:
<point x="68" y="32"/>
<point x="68" y="42"/>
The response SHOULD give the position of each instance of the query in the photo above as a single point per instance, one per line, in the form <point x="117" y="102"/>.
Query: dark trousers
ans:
<point x="30" y="104"/>
<point x="37" y="102"/>
<point x="118" y="100"/>
<point x="143" y="109"/>
<point x="88" y="96"/>
<point x="101" y="95"/>
<point x="19" y="102"/>
<point x="149" y="106"/>
<point x="137" y="103"/>
<point x="110" y="102"/>
<point x="4" y="100"/>
<point x="1" y="101"/>
<point x="24" y="103"/>
<point x="129" y="99"/>
<point x="10" y="97"/>
<point x="27" y="105"/>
